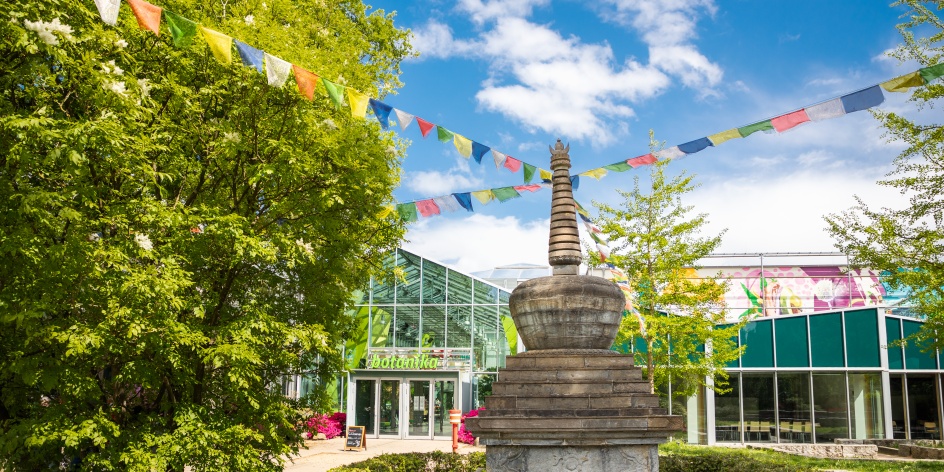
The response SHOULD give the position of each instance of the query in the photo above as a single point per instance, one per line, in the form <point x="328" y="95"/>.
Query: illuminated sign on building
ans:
<point x="403" y="362"/>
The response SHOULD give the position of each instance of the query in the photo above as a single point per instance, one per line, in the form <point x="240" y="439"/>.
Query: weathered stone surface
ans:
<point x="573" y="458"/>
<point x="829" y="451"/>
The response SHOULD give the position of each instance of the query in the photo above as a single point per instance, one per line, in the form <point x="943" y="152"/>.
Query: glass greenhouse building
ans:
<point x="432" y="340"/>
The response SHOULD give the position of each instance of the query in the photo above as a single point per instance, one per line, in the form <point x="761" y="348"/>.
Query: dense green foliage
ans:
<point x="658" y="244"/>
<point x="908" y="243"/>
<point x="436" y="461"/>
<point x="176" y="234"/>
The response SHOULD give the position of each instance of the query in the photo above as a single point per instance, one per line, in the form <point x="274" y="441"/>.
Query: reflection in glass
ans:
<point x="922" y="407"/>
<point x="485" y="293"/>
<point x="829" y="407"/>
<point x="419" y="408"/>
<point x="389" y="407"/>
<point x="445" y="400"/>
<point x="434" y="326"/>
<point x="364" y="406"/>
<point x="459" y="330"/>
<point x="434" y="283"/>
<point x="728" y="412"/>
<point x="865" y="397"/>
<point x="897" y="387"/>
<point x="793" y="393"/>
<point x="407" y="326"/>
<point x="408" y="288"/>
<point x="460" y="289"/>
<point x="759" y="407"/>
<point x="481" y="389"/>
<point x="380" y="328"/>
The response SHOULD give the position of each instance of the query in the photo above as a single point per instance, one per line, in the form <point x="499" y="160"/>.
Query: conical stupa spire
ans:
<point x="564" y="244"/>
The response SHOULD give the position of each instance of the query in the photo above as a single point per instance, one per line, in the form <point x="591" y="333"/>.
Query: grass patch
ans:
<point x="677" y="457"/>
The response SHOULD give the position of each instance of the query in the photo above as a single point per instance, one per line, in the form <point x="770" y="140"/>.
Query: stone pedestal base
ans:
<point x="602" y="458"/>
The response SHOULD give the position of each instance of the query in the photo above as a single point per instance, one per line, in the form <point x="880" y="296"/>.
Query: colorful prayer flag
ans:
<point x="620" y="166"/>
<point x="443" y="134"/>
<point x="148" y="15"/>
<point x="641" y="160"/>
<point x="931" y="73"/>
<point x="182" y="30"/>
<point x="381" y="111"/>
<point x="692" y="147"/>
<point x="904" y="82"/>
<point x="358" y="102"/>
<point x="404" y="119"/>
<point x="863" y="99"/>
<point x="528" y="171"/>
<point x="545" y="174"/>
<point x="790" y="120"/>
<point x="463" y="145"/>
<point x="484" y="196"/>
<point x="426" y="208"/>
<point x="306" y="81"/>
<point x="723" y="136"/>
<point x="575" y="182"/>
<point x="220" y="44"/>
<point x="464" y="199"/>
<point x="479" y="150"/>
<point x="528" y="188"/>
<point x="597" y="173"/>
<point x="424" y="125"/>
<point x="826" y="110"/>
<point x="108" y="9"/>
<point x="668" y="153"/>
<point x="277" y="70"/>
<point x="251" y="56"/>
<point x="504" y="194"/>
<point x="511" y="163"/>
<point x="407" y="212"/>
<point x="447" y="203"/>
<point x="335" y="91"/>
<point x="748" y="130"/>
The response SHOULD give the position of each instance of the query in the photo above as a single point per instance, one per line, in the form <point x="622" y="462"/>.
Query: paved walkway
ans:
<point x="320" y="456"/>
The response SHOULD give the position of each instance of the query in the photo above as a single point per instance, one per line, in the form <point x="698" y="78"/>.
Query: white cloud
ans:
<point x="480" y="241"/>
<point x="435" y="183"/>
<point x="435" y="40"/>
<point x="482" y="11"/>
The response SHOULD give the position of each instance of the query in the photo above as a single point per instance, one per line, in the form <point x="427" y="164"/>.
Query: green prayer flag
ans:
<point x="336" y="91"/>
<point x="528" y="172"/>
<point x="748" y="130"/>
<point x="444" y="134"/>
<point x="407" y="212"/>
<point x="933" y="72"/>
<point x="182" y="30"/>
<point x="620" y="166"/>
<point x="504" y="194"/>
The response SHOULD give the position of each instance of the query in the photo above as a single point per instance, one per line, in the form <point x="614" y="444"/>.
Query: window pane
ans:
<point x="893" y="333"/>
<point x="408" y="288"/>
<point x="460" y="289"/>
<point x="830" y="407"/>
<point x="434" y="326"/>
<point x="481" y="389"/>
<point x="759" y="407"/>
<point x="728" y="413"/>
<point x="865" y="397"/>
<point x="792" y="346"/>
<point x="434" y="283"/>
<point x="826" y="340"/>
<point x="915" y="358"/>
<point x="862" y="327"/>
<point x="503" y="297"/>
<point x="922" y="407"/>
<point x="408" y="326"/>
<point x="756" y="336"/>
<point x="793" y="393"/>
<point x="380" y="325"/>
<point x="485" y="293"/>
<point x="897" y="387"/>
<point x="460" y="326"/>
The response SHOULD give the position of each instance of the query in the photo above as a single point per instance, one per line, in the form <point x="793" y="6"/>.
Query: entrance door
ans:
<point x="444" y="394"/>
<point x="390" y="407"/>
<point x="419" y="409"/>
<point x="365" y="405"/>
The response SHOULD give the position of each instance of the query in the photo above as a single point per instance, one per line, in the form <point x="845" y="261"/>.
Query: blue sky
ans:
<point x="518" y="74"/>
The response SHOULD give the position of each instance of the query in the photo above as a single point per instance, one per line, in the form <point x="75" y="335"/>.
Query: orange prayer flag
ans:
<point x="149" y="16"/>
<point x="306" y="81"/>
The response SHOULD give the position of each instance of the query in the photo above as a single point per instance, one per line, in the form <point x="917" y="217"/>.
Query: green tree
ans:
<point x="176" y="234"/>
<point x="906" y="244"/>
<point x="657" y="243"/>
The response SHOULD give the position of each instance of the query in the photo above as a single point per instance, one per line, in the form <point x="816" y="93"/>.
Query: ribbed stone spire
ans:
<point x="564" y="244"/>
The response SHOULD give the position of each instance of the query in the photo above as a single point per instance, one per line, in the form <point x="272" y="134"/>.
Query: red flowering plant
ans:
<point x="465" y="436"/>
<point x="331" y="426"/>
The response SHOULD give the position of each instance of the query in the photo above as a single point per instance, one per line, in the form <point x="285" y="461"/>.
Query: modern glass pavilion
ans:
<point x="432" y="339"/>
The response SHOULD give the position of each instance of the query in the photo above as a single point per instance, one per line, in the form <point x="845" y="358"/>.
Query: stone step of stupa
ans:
<point x="571" y="402"/>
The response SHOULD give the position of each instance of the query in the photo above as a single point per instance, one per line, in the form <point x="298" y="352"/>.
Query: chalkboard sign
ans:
<point x="355" y="439"/>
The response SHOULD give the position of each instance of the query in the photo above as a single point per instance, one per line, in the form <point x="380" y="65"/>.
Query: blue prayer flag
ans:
<point x="381" y="111"/>
<point x="575" y="181"/>
<point x="479" y="150"/>
<point x="863" y="99"/>
<point x="464" y="199"/>
<point x="692" y="147"/>
<point x="251" y="56"/>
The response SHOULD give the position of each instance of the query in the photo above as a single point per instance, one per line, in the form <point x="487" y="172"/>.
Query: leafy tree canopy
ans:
<point x="907" y="244"/>
<point x="658" y="243"/>
<point x="176" y="234"/>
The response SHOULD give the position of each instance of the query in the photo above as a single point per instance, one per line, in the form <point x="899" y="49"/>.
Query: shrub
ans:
<point x="436" y="461"/>
<point x="464" y="435"/>
<point x="711" y="461"/>
<point x="322" y="423"/>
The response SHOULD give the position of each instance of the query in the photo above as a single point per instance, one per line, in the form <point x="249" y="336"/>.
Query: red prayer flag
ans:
<point x="641" y="160"/>
<point x="512" y="164"/>
<point x="149" y="16"/>
<point x="425" y="126"/>
<point x="306" y="81"/>
<point x="785" y="122"/>
<point x="530" y="188"/>
<point x="427" y="207"/>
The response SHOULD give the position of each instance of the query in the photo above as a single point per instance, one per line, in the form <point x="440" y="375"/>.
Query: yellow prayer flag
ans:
<point x="358" y="102"/>
<point x="385" y="212"/>
<point x="904" y="82"/>
<point x="545" y="174"/>
<point x="595" y="173"/>
<point x="220" y="44"/>
<point x="463" y="145"/>
<point x="723" y="136"/>
<point x="484" y="196"/>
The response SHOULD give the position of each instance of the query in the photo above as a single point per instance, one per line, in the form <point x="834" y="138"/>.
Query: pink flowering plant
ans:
<point x="465" y="436"/>
<point x="331" y="426"/>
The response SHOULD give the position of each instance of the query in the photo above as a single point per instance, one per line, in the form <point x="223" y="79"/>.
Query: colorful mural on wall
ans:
<point x="790" y="290"/>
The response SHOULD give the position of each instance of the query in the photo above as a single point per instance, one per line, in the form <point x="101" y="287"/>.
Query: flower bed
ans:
<point x="331" y="426"/>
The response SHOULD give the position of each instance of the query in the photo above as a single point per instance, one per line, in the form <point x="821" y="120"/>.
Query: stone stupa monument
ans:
<point x="569" y="403"/>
